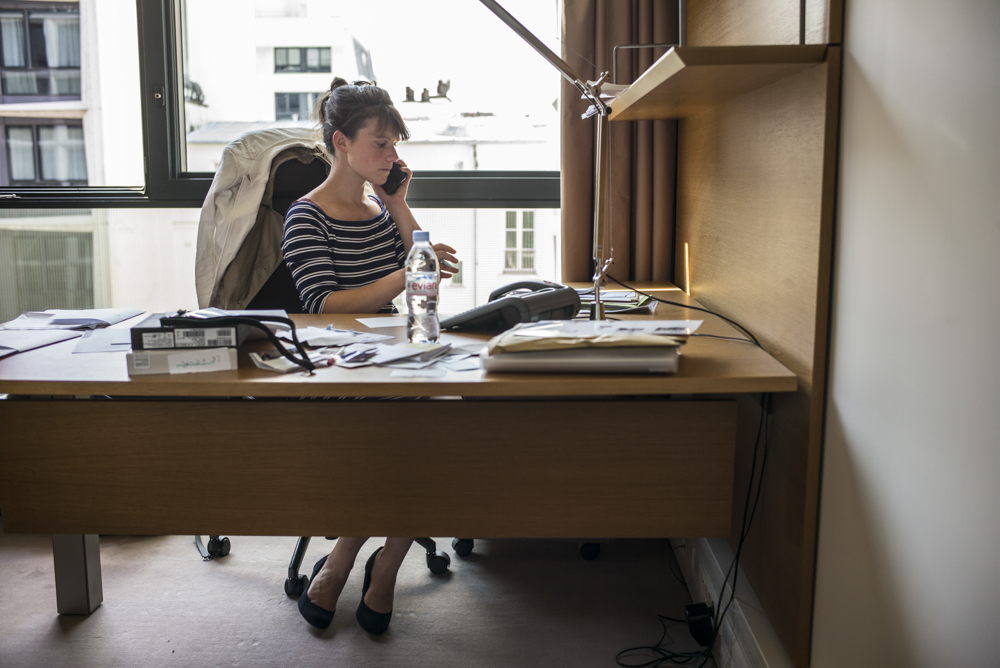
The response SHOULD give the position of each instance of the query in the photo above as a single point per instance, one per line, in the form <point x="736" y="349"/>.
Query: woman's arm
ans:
<point x="366" y="299"/>
<point x="402" y="216"/>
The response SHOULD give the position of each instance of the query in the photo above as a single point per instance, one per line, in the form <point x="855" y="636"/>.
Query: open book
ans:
<point x="91" y="318"/>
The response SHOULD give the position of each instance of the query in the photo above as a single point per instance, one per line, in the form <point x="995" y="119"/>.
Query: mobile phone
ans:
<point x="396" y="178"/>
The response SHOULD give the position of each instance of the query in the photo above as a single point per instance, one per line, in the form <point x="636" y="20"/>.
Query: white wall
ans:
<point x="908" y="567"/>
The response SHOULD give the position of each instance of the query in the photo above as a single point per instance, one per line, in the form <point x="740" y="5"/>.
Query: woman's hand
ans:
<point x="446" y="254"/>
<point x="398" y="197"/>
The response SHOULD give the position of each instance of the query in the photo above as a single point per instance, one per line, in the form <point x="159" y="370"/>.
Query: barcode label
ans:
<point x="205" y="337"/>
<point x="158" y="340"/>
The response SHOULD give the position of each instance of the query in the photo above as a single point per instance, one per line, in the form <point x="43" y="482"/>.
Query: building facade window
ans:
<point x="43" y="152"/>
<point x="308" y="59"/>
<point x="39" y="52"/>
<point x="294" y="106"/>
<point x="50" y="270"/>
<point x="456" y="278"/>
<point x="519" y="253"/>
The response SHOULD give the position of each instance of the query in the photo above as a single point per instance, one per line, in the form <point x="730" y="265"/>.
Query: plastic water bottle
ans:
<point x="422" y="279"/>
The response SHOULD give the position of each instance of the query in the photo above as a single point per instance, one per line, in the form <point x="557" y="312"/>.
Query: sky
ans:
<point x="490" y="67"/>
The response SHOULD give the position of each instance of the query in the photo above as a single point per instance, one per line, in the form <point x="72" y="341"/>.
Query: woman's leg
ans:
<point x="325" y="588"/>
<point x="384" y="571"/>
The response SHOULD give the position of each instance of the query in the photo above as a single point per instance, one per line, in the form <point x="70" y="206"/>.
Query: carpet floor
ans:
<point x="510" y="603"/>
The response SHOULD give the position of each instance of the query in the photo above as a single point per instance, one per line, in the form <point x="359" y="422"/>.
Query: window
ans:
<point x="469" y="146"/>
<point x="97" y="258"/>
<point x="309" y="59"/>
<point x="172" y="96"/>
<point x="519" y="253"/>
<point x="294" y="106"/>
<point x="50" y="270"/>
<point x="43" y="152"/>
<point x="39" y="52"/>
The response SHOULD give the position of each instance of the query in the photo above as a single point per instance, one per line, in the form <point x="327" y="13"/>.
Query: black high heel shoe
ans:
<point x="374" y="622"/>
<point x="315" y="615"/>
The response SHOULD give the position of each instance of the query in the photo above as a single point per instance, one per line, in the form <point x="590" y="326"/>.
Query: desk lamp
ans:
<point x="591" y="91"/>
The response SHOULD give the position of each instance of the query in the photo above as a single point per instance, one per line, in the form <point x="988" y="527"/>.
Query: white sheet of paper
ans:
<point x="466" y="364"/>
<point x="195" y="361"/>
<point x="68" y="319"/>
<point x="468" y="349"/>
<point x="385" y="321"/>
<point x="19" y="340"/>
<point x="550" y="328"/>
<point x="105" y="341"/>
<point x="317" y="336"/>
<point x="411" y="365"/>
<point x="418" y="373"/>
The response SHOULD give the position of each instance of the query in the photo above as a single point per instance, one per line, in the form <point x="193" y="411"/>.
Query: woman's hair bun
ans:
<point x="349" y="106"/>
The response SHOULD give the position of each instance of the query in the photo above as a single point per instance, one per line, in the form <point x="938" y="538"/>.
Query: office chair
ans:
<point x="293" y="179"/>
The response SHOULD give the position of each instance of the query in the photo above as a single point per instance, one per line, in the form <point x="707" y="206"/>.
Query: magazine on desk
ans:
<point x="589" y="346"/>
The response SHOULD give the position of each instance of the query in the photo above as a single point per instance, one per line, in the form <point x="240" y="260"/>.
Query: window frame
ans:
<point x="161" y="86"/>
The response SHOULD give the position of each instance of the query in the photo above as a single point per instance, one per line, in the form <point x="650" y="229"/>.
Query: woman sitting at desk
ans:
<point x="346" y="252"/>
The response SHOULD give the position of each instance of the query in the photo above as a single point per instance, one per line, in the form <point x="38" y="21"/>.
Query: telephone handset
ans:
<point x="519" y="285"/>
<point x="545" y="301"/>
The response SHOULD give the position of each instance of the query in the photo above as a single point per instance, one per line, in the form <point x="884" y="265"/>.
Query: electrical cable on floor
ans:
<point x="662" y="656"/>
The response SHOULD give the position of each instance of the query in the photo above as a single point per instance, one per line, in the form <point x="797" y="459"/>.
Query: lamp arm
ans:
<point x="591" y="90"/>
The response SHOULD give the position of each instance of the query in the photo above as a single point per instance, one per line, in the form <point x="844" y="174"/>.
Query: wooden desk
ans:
<point x="522" y="455"/>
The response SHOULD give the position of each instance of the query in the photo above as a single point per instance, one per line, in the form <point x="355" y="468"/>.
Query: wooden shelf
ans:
<point x="688" y="79"/>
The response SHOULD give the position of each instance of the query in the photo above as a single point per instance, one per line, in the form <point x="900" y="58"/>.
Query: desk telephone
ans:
<point x="545" y="301"/>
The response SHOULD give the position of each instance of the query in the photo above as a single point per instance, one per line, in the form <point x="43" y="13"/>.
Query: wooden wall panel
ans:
<point x="743" y="22"/>
<point x="747" y="22"/>
<point x="749" y="191"/>
<point x="823" y="22"/>
<point x="755" y="213"/>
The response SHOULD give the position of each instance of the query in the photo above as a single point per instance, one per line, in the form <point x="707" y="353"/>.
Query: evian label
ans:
<point x="422" y="285"/>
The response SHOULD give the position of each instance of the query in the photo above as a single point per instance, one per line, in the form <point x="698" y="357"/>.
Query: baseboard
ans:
<point x="747" y="639"/>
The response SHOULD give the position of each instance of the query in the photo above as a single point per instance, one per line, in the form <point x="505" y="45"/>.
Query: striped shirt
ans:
<point x="326" y="255"/>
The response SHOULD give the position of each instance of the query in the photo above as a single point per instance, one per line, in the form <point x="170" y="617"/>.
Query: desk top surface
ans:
<point x="707" y="366"/>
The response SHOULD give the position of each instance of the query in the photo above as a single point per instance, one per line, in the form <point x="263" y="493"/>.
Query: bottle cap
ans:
<point x="421" y="235"/>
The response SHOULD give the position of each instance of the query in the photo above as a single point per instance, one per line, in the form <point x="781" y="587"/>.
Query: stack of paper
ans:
<point x="589" y="346"/>
<point x="618" y="301"/>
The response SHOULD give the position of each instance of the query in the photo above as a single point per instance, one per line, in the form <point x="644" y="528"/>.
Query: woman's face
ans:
<point x="371" y="153"/>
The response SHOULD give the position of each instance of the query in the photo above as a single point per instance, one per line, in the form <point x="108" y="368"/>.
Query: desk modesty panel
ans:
<point x="397" y="468"/>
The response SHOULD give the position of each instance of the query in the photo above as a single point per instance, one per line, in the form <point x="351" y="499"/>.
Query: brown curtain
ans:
<point x="643" y="154"/>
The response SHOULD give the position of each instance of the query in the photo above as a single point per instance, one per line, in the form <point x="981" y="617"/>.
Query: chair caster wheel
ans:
<point x="295" y="586"/>
<point x="590" y="550"/>
<point x="219" y="547"/>
<point x="462" y="546"/>
<point x="438" y="562"/>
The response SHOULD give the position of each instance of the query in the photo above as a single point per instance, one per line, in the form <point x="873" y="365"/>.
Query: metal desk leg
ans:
<point x="78" y="573"/>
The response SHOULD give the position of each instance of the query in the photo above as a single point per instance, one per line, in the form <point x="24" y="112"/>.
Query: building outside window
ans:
<point x="39" y="52"/>
<point x="456" y="278"/>
<point x="309" y="59"/>
<point x="519" y="253"/>
<point x="294" y="106"/>
<point x="44" y="152"/>
<point x="46" y="270"/>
